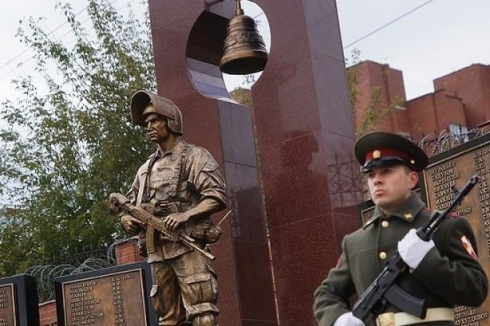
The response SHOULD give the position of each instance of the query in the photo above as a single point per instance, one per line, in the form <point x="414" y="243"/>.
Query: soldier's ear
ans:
<point x="414" y="179"/>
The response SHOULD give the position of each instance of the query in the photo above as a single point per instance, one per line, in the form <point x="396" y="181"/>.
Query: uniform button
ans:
<point x="382" y="255"/>
<point x="385" y="224"/>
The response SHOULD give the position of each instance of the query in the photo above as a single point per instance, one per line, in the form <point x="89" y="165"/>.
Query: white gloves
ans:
<point x="412" y="249"/>
<point x="348" y="319"/>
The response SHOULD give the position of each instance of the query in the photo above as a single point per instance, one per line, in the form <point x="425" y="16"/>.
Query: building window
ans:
<point x="459" y="131"/>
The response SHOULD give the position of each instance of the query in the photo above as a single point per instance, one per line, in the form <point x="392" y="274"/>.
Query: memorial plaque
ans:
<point x="19" y="304"/>
<point x="8" y="309"/>
<point x="108" y="297"/>
<point x="453" y="169"/>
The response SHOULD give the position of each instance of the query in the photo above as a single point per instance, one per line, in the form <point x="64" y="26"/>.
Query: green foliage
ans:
<point x="373" y="114"/>
<point x="353" y="78"/>
<point x="69" y="142"/>
<point x="242" y="96"/>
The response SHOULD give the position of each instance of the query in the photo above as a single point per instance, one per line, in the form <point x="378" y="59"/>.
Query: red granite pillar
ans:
<point x="305" y="141"/>
<point x="308" y="181"/>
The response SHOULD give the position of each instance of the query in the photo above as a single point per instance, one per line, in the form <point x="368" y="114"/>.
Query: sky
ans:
<point x="15" y="57"/>
<point x="425" y="39"/>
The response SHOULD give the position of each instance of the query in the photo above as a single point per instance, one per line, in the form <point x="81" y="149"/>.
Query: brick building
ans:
<point x="460" y="101"/>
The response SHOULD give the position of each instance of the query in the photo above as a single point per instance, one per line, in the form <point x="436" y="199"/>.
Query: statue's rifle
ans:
<point x="118" y="203"/>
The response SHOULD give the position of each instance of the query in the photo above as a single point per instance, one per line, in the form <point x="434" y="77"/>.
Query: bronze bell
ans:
<point x="244" y="50"/>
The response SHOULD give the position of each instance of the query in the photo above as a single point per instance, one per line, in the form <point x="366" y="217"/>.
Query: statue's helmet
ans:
<point x="144" y="103"/>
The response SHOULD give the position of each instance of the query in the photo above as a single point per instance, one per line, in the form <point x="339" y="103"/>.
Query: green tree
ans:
<point x="242" y="96"/>
<point x="69" y="141"/>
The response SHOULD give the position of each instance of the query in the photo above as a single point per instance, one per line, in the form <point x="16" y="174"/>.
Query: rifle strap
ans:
<point x="146" y="194"/>
<point x="179" y="171"/>
<point x="145" y="203"/>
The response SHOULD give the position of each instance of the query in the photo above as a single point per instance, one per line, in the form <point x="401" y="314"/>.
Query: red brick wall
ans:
<point x="432" y="113"/>
<point x="472" y="84"/>
<point x="47" y="314"/>
<point x="461" y="98"/>
<point x="373" y="75"/>
<point x="449" y="110"/>
<point x="422" y="116"/>
<point x="127" y="252"/>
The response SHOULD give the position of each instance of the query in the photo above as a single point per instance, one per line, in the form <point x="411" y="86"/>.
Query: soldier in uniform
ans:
<point x="444" y="271"/>
<point x="182" y="184"/>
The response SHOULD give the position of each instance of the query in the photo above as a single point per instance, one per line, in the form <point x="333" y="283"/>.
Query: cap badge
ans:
<point x="376" y="154"/>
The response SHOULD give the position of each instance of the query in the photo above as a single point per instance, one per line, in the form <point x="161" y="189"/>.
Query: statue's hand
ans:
<point x="172" y="221"/>
<point x="130" y="224"/>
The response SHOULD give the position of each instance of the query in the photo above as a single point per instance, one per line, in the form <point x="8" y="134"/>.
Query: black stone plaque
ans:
<point x="453" y="169"/>
<point x="19" y="304"/>
<point x="113" y="296"/>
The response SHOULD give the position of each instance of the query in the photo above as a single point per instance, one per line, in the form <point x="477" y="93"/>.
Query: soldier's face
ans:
<point x="156" y="127"/>
<point x="390" y="186"/>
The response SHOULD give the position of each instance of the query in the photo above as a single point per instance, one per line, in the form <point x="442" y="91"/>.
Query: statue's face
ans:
<point x="157" y="128"/>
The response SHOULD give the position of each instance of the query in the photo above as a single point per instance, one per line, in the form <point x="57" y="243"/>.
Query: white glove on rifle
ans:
<point x="412" y="249"/>
<point x="348" y="319"/>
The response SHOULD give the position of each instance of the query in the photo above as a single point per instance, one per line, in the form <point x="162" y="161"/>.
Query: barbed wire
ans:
<point x="434" y="144"/>
<point x="46" y="274"/>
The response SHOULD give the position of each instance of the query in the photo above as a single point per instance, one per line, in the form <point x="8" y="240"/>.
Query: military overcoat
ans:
<point x="449" y="274"/>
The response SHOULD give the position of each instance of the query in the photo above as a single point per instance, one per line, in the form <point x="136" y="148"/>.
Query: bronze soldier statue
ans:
<point x="443" y="271"/>
<point x="182" y="185"/>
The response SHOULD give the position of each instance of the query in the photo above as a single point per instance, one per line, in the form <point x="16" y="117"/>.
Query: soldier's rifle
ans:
<point x="384" y="291"/>
<point x="118" y="203"/>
